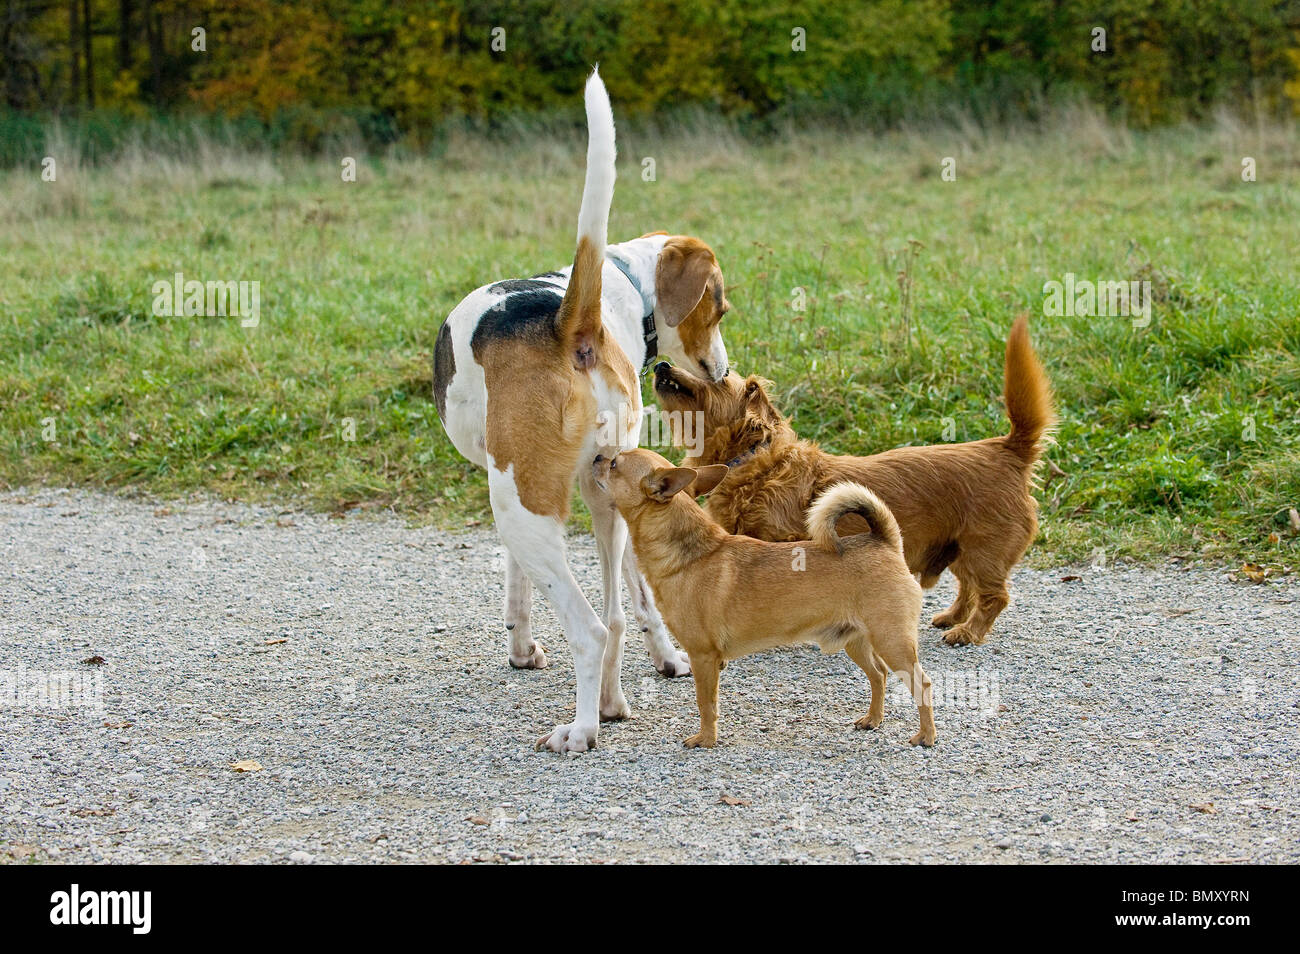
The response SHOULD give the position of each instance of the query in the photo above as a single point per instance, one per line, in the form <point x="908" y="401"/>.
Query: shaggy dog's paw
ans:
<point x="962" y="635"/>
<point x="946" y="619"/>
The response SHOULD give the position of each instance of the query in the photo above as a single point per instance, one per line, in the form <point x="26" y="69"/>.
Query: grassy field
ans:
<point x="1180" y="438"/>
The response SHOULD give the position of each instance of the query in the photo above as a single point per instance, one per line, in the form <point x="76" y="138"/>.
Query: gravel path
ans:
<point x="1129" y="715"/>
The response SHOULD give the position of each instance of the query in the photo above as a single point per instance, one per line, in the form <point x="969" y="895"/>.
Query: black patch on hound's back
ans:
<point x="550" y="275"/>
<point x="512" y="285"/>
<point x="444" y="368"/>
<point x="523" y="315"/>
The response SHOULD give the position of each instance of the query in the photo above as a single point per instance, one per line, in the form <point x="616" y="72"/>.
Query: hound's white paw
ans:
<point x="676" y="663"/>
<point x="569" y="738"/>
<point x="535" y="659"/>
<point x="615" y="708"/>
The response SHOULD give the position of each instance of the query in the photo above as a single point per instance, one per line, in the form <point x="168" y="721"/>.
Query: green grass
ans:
<point x="1153" y="448"/>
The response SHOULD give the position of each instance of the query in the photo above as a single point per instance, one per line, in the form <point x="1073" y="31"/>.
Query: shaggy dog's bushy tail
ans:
<point x="1027" y="394"/>
<point x="845" y="498"/>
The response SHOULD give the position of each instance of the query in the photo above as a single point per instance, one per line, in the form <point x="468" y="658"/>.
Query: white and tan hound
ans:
<point x="535" y="377"/>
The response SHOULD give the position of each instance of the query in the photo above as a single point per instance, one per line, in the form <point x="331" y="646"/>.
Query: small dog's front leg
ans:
<point x="706" y="670"/>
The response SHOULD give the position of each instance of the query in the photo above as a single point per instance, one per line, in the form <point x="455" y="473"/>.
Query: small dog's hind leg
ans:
<point x="667" y="658"/>
<point x="524" y="653"/>
<point x="860" y="652"/>
<point x="900" y="656"/>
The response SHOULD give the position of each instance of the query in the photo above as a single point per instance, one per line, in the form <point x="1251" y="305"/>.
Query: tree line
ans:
<point x="399" y="66"/>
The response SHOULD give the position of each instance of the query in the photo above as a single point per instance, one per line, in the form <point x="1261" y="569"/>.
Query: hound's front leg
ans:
<point x="667" y="658"/>
<point x="611" y="541"/>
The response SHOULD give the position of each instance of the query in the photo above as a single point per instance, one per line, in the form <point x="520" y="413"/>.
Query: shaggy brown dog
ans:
<point x="961" y="506"/>
<point x="727" y="596"/>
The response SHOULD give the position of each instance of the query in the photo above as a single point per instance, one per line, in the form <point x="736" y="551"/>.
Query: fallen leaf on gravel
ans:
<point x="1205" y="808"/>
<point x="118" y="725"/>
<point x="92" y="812"/>
<point x="273" y="642"/>
<point x="285" y="523"/>
<point x="477" y="820"/>
<point x="1071" y="578"/>
<point x="1132" y="815"/>
<point x="163" y="512"/>
<point x="1253" y="572"/>
<point x="732" y="800"/>
<point x="93" y="661"/>
<point x="1179" y="612"/>
<point x="246" y="765"/>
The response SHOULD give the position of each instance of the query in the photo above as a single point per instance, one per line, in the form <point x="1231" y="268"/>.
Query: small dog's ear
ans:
<point x="706" y="478"/>
<point x="666" y="482"/>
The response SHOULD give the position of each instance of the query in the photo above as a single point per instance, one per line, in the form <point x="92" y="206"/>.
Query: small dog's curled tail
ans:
<point x="578" y="322"/>
<point x="1027" y="394"/>
<point x="845" y="498"/>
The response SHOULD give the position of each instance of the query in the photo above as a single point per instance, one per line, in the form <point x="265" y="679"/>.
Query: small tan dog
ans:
<point x="726" y="596"/>
<point x="964" y="506"/>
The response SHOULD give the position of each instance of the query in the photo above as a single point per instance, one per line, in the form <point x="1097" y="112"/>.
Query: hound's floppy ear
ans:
<point x="706" y="478"/>
<point x="681" y="278"/>
<point x="666" y="482"/>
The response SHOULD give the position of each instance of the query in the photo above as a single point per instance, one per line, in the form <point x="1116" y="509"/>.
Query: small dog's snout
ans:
<point x="661" y="367"/>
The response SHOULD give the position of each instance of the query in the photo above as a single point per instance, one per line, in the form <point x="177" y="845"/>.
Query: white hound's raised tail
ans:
<point x="598" y="190"/>
<point x="578" y="322"/>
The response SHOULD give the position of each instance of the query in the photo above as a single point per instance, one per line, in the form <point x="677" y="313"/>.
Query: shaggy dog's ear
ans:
<point x="756" y="400"/>
<point x="667" y="482"/>
<point x="709" y="477"/>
